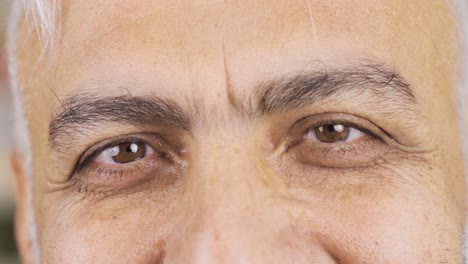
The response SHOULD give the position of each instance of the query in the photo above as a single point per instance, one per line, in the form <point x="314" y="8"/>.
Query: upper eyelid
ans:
<point x="84" y="160"/>
<point x="295" y="132"/>
<point x="340" y="120"/>
<point x="101" y="150"/>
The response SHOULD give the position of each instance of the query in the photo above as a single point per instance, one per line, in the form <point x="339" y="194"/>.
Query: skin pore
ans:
<point x="228" y="100"/>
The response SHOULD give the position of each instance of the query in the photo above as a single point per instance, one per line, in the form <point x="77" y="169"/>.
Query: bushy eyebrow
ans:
<point x="286" y="93"/>
<point x="309" y="87"/>
<point x="87" y="109"/>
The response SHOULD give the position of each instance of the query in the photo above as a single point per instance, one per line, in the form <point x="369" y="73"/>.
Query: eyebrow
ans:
<point x="307" y="88"/>
<point x="89" y="109"/>
<point x="298" y="90"/>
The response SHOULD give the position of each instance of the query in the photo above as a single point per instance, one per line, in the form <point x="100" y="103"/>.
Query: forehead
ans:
<point x="196" y="37"/>
<point x="168" y="23"/>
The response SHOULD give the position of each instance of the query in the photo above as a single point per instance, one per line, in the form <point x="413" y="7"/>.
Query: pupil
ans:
<point x="133" y="148"/>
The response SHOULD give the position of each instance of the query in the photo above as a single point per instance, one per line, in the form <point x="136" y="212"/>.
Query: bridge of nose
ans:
<point x="229" y="213"/>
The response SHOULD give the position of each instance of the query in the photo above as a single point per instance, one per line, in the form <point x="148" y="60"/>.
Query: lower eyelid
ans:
<point x="127" y="175"/>
<point x="359" y="153"/>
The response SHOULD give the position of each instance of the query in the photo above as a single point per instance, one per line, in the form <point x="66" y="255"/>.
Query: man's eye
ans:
<point x="335" y="140"/>
<point x="127" y="161"/>
<point x="334" y="133"/>
<point x="124" y="153"/>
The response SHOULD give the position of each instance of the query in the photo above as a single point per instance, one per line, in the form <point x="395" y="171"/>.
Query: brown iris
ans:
<point x="128" y="152"/>
<point x="332" y="133"/>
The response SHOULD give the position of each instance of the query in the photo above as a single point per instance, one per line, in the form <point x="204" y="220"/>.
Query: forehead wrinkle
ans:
<point x="233" y="97"/>
<point x="318" y="8"/>
<point x="134" y="21"/>
<point x="233" y="100"/>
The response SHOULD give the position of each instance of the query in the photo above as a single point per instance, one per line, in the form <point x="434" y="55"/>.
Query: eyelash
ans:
<point x="317" y="154"/>
<point x="325" y="122"/>
<point x="344" y="123"/>
<point x="163" y="167"/>
<point x="104" y="172"/>
<point x="85" y="160"/>
<point x="330" y="151"/>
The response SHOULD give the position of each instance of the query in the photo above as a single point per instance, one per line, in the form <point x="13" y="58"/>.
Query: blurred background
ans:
<point x="7" y="243"/>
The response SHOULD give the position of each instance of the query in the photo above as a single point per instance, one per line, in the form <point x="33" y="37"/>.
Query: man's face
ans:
<point x="247" y="132"/>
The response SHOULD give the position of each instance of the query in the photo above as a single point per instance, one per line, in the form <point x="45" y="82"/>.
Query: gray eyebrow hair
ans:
<point x="309" y="87"/>
<point x="88" y="109"/>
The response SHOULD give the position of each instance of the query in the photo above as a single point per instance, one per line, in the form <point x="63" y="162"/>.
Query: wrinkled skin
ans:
<point x="232" y="188"/>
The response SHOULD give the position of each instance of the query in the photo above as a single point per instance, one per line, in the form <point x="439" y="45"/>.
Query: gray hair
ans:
<point x="42" y="18"/>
